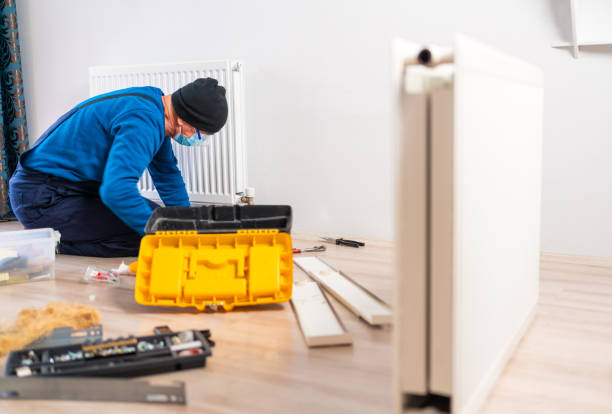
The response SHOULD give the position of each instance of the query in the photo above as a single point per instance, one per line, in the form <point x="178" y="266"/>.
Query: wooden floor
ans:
<point x="564" y="362"/>
<point x="261" y="365"/>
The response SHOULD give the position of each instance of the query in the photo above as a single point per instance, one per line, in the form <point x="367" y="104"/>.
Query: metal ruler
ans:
<point x="91" y="389"/>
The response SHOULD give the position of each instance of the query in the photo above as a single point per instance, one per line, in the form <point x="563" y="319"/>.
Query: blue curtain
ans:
<point x="14" y="129"/>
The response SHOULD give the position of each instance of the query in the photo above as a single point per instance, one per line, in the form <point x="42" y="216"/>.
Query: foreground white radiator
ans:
<point x="468" y="220"/>
<point x="213" y="173"/>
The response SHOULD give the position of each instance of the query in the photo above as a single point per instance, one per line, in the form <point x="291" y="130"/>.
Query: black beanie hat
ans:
<point x="202" y="104"/>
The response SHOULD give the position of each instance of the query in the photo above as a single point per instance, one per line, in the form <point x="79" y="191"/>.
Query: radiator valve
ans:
<point x="248" y="196"/>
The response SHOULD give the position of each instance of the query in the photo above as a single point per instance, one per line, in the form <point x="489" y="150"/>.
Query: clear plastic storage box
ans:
<point x="27" y="255"/>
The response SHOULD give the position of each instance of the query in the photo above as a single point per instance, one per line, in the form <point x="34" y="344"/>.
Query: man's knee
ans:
<point x="118" y="246"/>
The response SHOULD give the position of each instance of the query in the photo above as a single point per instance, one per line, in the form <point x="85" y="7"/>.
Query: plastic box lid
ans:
<point x="187" y="269"/>
<point x="220" y="219"/>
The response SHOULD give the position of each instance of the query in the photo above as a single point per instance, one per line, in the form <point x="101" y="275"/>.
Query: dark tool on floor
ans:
<point x="121" y="357"/>
<point x="343" y="242"/>
<point x="91" y="389"/>
<point x="310" y="249"/>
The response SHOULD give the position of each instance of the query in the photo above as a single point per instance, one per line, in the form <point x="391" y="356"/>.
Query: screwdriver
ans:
<point x="343" y="242"/>
<point x="310" y="249"/>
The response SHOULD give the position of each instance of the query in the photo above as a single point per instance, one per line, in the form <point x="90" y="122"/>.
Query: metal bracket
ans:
<point x="65" y="335"/>
<point x="91" y="389"/>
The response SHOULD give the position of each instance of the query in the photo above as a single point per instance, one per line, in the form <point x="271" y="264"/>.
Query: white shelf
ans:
<point x="588" y="21"/>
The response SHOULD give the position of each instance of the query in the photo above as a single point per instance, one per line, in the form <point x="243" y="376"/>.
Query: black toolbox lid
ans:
<point x="220" y="219"/>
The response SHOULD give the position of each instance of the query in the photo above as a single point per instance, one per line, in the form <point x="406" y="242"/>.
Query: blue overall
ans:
<point x="87" y="226"/>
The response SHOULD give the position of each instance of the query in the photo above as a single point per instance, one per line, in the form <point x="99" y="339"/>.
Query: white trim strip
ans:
<point x="355" y="297"/>
<point x="318" y="321"/>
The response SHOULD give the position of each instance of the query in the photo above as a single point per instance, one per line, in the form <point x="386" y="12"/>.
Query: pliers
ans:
<point x="310" y="249"/>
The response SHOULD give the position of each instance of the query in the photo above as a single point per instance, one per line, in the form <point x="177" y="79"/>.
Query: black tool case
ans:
<point x="220" y="219"/>
<point x="122" y="357"/>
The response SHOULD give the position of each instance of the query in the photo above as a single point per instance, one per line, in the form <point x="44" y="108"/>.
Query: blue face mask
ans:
<point x="195" y="139"/>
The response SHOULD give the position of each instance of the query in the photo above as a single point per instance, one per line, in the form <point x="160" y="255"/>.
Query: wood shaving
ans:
<point x="33" y="323"/>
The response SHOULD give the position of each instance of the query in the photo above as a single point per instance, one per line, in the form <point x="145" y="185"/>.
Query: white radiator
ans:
<point x="468" y="219"/>
<point x="213" y="173"/>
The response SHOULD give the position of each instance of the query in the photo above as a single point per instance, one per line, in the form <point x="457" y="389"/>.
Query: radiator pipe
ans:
<point x="431" y="56"/>
<point x="249" y="196"/>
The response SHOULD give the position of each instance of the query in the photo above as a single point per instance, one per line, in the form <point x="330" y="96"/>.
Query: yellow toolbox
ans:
<point x="192" y="269"/>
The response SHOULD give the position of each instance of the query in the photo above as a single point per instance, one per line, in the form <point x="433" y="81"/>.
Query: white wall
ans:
<point x="319" y="115"/>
